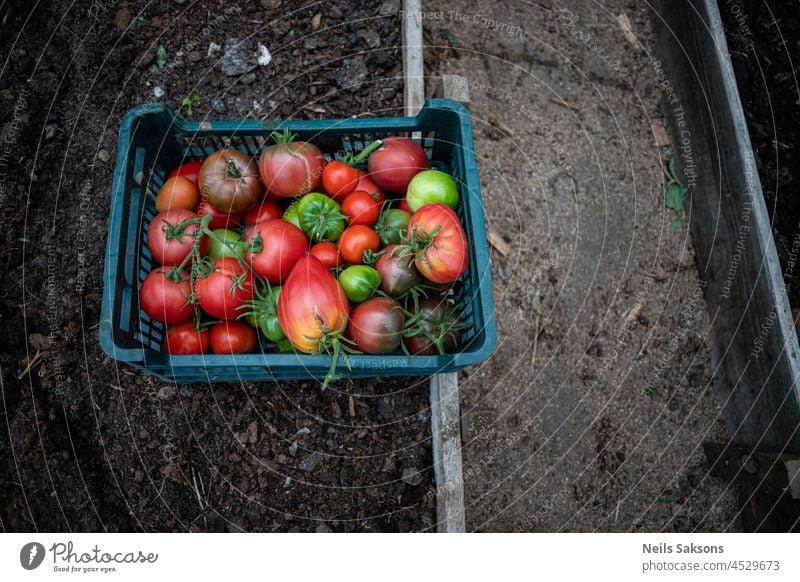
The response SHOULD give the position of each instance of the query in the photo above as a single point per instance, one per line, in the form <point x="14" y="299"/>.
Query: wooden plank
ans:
<point x="453" y="87"/>
<point x="446" y="431"/>
<point x="413" y="64"/>
<point x="755" y="356"/>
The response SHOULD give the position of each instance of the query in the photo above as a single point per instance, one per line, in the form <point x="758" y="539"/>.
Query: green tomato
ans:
<point x="431" y="187"/>
<point x="263" y="313"/>
<point x="392" y="225"/>
<point x="290" y="214"/>
<point x="217" y="249"/>
<point x="320" y="217"/>
<point x="359" y="282"/>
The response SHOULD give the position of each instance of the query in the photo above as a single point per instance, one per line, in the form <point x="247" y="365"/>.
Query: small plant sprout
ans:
<point x="674" y="197"/>
<point x="161" y="57"/>
<point x="189" y="103"/>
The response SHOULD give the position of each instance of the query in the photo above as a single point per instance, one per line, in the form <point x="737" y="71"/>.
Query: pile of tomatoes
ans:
<point x="321" y="257"/>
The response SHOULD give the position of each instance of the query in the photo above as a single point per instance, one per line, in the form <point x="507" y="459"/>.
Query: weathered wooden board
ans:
<point x="445" y="406"/>
<point x="755" y="360"/>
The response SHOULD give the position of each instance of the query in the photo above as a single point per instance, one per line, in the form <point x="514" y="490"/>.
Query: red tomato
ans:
<point x="290" y="169"/>
<point x="312" y="307"/>
<point x="165" y="300"/>
<point x="265" y="211"/>
<point x="219" y="219"/>
<point x="339" y="179"/>
<point x="233" y="337"/>
<point x="189" y="170"/>
<point x="185" y="339"/>
<point x="439" y="243"/>
<point x="366" y="184"/>
<point x="355" y="240"/>
<point x="283" y="244"/>
<point x="404" y="206"/>
<point x="168" y="245"/>
<point x="361" y="207"/>
<point x="328" y="254"/>
<point x="398" y="160"/>
<point x="178" y="192"/>
<point x="227" y="288"/>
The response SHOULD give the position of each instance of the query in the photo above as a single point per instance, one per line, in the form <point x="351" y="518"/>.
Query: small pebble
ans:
<point x="158" y="92"/>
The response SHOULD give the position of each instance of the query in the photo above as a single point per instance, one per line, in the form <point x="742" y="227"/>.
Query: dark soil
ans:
<point x="91" y="445"/>
<point x="762" y="39"/>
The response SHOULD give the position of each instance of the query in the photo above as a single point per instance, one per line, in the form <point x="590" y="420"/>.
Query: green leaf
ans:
<point x="664" y="499"/>
<point x="673" y="170"/>
<point x="676" y="225"/>
<point x="161" y="57"/>
<point x="674" y="196"/>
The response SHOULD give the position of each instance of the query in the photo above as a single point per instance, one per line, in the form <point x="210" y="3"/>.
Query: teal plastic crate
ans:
<point x="153" y="140"/>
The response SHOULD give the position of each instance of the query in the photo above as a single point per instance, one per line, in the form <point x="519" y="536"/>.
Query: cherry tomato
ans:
<point x="369" y="186"/>
<point x="233" y="337"/>
<point x="355" y="240"/>
<point x="178" y="192"/>
<point x="328" y="254"/>
<point x="185" y="339"/>
<point x="339" y="179"/>
<point x="219" y="219"/>
<point x="361" y="207"/>
<point x="282" y="245"/>
<point x="170" y="245"/>
<point x="166" y="300"/>
<point x="225" y="290"/>
<point x="267" y="210"/>
<point x="189" y="170"/>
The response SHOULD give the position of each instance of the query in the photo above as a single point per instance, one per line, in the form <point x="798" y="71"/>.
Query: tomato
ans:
<point x="263" y="312"/>
<point x="328" y="254"/>
<point x="219" y="219"/>
<point x="290" y="214"/>
<point x="438" y="242"/>
<point x="186" y="339"/>
<point x="369" y="186"/>
<point x="434" y="328"/>
<point x="397" y="161"/>
<point x="404" y="206"/>
<point x="376" y="326"/>
<point x="320" y="217"/>
<point x="359" y="282"/>
<point x="265" y="211"/>
<point x="178" y="192"/>
<point x="165" y="298"/>
<point x="190" y="170"/>
<point x="223" y="244"/>
<point x="169" y="244"/>
<point x="282" y="245"/>
<point x="290" y="168"/>
<point x="355" y="240"/>
<point x="233" y="337"/>
<point x="223" y="291"/>
<point x="392" y="226"/>
<point x="430" y="187"/>
<point x="361" y="208"/>
<point x="398" y="273"/>
<point x="312" y="308"/>
<point x="339" y="179"/>
<point x="229" y="181"/>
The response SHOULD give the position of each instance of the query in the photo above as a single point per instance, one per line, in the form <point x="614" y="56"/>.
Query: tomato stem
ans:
<point x="352" y="160"/>
<point x="281" y="138"/>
